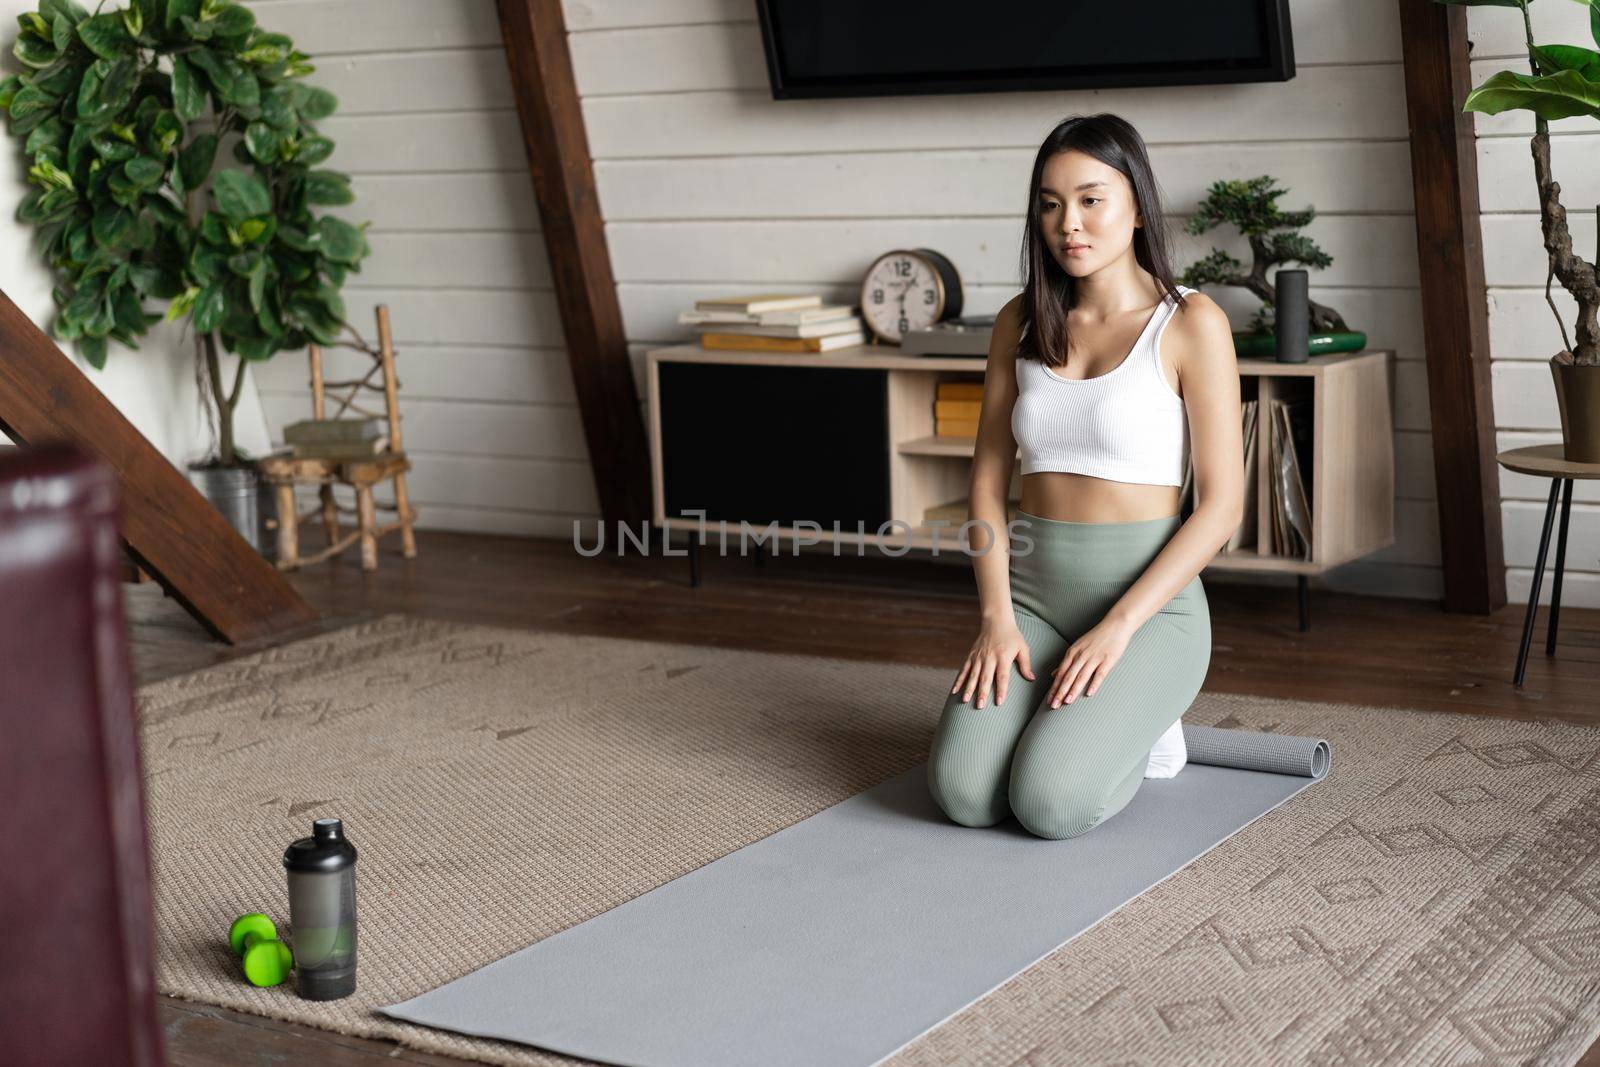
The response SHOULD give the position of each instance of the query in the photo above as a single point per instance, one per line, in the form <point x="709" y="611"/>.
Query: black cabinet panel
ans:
<point x="775" y="444"/>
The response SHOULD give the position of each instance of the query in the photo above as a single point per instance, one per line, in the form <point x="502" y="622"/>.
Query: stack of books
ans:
<point x="775" y="322"/>
<point x="343" y="439"/>
<point x="955" y="409"/>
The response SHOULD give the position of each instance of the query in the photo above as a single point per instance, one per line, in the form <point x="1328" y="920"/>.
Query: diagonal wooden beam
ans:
<point x="1455" y="313"/>
<point x="173" y="531"/>
<point x="535" y="36"/>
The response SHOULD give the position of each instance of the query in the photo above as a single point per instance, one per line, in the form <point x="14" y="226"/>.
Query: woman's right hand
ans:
<point x="989" y="662"/>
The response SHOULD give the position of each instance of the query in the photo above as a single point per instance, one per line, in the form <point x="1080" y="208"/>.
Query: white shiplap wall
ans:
<point x="708" y="186"/>
<point x="428" y="130"/>
<point x="1523" y="333"/>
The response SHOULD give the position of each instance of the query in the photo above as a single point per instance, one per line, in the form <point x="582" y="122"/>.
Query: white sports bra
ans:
<point x="1127" y="425"/>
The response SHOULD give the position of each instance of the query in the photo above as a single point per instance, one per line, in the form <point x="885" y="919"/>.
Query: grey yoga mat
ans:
<point x="842" y="938"/>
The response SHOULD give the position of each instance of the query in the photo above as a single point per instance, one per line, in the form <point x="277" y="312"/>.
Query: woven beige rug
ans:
<point x="1435" y="900"/>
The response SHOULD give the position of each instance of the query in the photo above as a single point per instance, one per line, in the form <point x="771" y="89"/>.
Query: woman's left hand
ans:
<point x="1088" y="661"/>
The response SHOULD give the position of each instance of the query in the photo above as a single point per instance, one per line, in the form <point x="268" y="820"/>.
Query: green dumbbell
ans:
<point x="267" y="960"/>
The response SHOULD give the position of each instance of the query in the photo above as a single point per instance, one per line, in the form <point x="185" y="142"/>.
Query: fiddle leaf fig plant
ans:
<point x="1564" y="83"/>
<point x="176" y="172"/>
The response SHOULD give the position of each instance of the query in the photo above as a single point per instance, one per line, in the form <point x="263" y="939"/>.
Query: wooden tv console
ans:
<point x="844" y="439"/>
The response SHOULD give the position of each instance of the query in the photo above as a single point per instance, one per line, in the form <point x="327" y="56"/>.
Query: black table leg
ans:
<point x="694" y="559"/>
<point x="1305" y="602"/>
<point x="1561" y="566"/>
<point x="1538" y="575"/>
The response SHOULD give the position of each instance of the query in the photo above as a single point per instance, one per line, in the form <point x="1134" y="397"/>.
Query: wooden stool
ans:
<point x="286" y="472"/>
<point x="1546" y="461"/>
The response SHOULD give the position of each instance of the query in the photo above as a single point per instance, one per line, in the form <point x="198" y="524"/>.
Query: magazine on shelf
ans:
<point x="1291" y="510"/>
<point x="1245" y="535"/>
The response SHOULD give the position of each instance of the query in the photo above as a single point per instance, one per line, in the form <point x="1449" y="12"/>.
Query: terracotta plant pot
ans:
<point x="1578" y="396"/>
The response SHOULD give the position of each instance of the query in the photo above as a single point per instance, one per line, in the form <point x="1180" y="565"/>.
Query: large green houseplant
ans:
<point x="1565" y="82"/>
<point x="125" y="115"/>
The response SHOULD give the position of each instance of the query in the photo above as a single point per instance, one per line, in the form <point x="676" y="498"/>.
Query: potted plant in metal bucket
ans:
<point x="1565" y="82"/>
<point x="125" y="114"/>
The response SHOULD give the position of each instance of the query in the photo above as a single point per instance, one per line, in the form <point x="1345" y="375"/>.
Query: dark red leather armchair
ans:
<point x="77" y="985"/>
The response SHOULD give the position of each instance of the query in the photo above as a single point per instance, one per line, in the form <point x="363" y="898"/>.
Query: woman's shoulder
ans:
<point x="1192" y="296"/>
<point x="1003" y="338"/>
<point x="1200" y="325"/>
<point x="1008" y="323"/>
<point x="1198" y="309"/>
<point x="1010" y="314"/>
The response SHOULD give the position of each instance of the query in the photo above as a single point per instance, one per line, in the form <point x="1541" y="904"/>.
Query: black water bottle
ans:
<point x="322" y="911"/>
<point x="1292" y="315"/>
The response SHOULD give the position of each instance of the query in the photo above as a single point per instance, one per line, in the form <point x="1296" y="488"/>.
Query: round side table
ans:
<point x="1546" y="461"/>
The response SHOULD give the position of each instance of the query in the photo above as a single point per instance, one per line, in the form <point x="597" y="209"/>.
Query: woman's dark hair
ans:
<point x="1050" y="292"/>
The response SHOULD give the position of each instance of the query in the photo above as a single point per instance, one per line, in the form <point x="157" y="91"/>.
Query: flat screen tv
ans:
<point x="820" y="48"/>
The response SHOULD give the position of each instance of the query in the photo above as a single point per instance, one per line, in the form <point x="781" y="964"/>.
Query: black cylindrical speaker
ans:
<point x="1292" y="316"/>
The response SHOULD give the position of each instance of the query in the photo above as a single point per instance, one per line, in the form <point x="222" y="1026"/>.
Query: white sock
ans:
<point x="1169" y="754"/>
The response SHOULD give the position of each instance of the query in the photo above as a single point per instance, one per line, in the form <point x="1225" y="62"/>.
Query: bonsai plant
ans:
<point x="125" y="114"/>
<point x="1251" y="206"/>
<point x="1565" y="83"/>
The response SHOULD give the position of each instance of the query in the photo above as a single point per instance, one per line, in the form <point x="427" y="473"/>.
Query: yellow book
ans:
<point x="960" y="391"/>
<point x="957" y="409"/>
<point x="956" y="427"/>
<point x="750" y="341"/>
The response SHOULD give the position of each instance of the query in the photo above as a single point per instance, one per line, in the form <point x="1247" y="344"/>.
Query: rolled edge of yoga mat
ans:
<point x="1254" y="750"/>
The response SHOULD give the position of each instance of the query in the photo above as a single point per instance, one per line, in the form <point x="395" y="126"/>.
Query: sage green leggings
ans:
<point x="1062" y="771"/>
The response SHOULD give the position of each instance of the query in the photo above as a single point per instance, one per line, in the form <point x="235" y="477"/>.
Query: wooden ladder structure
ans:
<point x="172" y="531"/>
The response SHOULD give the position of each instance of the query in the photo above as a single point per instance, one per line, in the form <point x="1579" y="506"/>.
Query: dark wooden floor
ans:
<point x="1359" y="649"/>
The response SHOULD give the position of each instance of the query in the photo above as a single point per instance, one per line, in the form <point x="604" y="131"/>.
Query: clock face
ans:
<point x="901" y="292"/>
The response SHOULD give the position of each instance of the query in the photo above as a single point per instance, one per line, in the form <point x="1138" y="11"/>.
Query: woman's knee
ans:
<point x="964" y="796"/>
<point x="1060" y="806"/>
<point x="1057" y="816"/>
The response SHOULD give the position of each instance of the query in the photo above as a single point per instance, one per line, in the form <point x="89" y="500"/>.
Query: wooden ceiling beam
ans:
<point x="535" y="37"/>
<point x="169" y="528"/>
<point x="1455" y="313"/>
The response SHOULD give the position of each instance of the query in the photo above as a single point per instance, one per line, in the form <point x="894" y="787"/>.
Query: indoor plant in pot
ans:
<point x="125" y="115"/>
<point x="1565" y="82"/>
